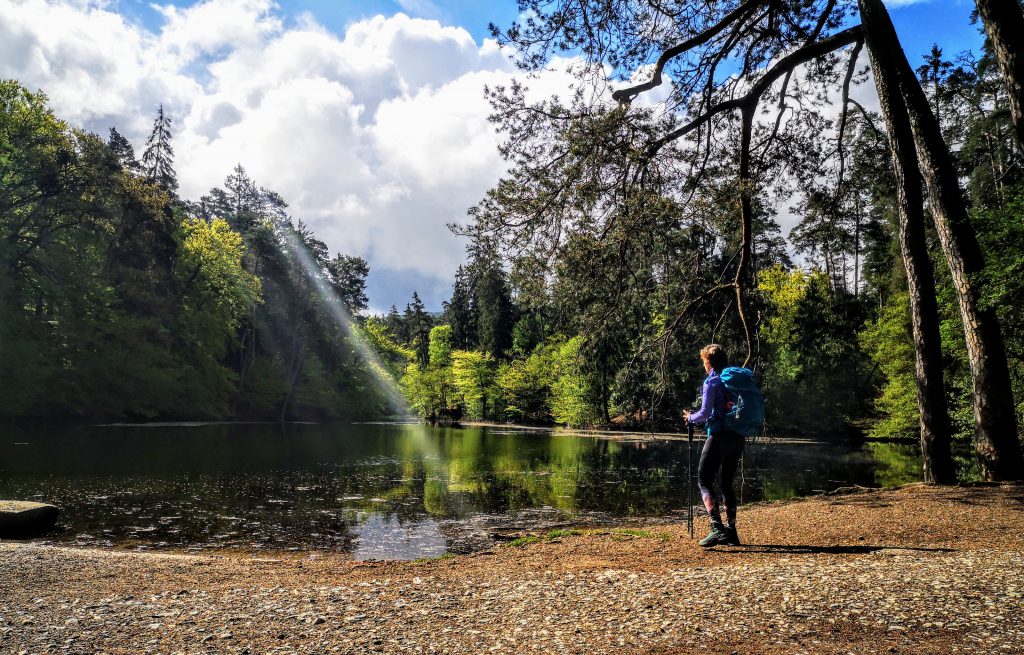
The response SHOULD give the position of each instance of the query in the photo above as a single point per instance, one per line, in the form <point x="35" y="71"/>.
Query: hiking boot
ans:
<point x="716" y="536"/>
<point x="731" y="538"/>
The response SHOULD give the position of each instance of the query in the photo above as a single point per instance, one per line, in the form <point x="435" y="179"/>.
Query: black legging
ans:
<point x="721" y="455"/>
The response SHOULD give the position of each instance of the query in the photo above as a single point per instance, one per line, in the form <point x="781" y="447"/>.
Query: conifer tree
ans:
<point x="158" y="159"/>
<point x="460" y="312"/>
<point x="243" y="198"/>
<point x="348" y="278"/>
<point x="393" y="322"/>
<point x="492" y="308"/>
<point x="125" y="153"/>
<point x="417" y="324"/>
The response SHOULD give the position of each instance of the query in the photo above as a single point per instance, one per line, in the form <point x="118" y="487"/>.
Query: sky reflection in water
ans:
<point x="399" y="491"/>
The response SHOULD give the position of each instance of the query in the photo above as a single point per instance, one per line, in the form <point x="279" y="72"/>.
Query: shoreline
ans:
<point x="637" y="436"/>
<point x="896" y="570"/>
<point x="611" y="434"/>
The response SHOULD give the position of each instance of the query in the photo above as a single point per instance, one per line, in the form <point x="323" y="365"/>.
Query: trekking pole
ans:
<point x="689" y="475"/>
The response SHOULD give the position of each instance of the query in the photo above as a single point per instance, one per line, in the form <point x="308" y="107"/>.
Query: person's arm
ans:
<point x="710" y="397"/>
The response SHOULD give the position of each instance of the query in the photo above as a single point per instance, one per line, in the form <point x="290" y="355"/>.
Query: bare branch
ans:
<point x="785" y="65"/>
<point x="842" y="117"/>
<point x="625" y="96"/>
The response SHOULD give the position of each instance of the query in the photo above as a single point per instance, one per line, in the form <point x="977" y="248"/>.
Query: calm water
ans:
<point x="388" y="491"/>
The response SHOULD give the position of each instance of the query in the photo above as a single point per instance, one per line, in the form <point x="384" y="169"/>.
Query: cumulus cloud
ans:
<point x="377" y="137"/>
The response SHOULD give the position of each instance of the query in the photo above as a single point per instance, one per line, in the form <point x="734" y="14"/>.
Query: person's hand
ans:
<point x="686" y="415"/>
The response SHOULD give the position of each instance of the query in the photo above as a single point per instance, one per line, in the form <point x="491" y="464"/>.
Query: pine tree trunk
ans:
<point x="1004" y="24"/>
<point x="747" y="229"/>
<point x="931" y="398"/>
<point x="995" y="437"/>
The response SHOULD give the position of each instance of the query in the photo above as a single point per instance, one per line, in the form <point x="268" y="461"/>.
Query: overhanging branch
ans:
<point x="625" y="96"/>
<point x="750" y="99"/>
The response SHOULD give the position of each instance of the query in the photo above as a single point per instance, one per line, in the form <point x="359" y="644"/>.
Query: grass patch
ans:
<point x="555" y="534"/>
<point x="523" y="541"/>
<point x="632" y="532"/>
<point x="425" y="560"/>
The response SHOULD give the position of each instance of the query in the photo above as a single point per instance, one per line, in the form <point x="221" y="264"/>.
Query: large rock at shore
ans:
<point x="21" y="519"/>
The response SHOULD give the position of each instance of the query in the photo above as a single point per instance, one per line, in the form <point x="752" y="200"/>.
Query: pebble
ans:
<point x="894" y="600"/>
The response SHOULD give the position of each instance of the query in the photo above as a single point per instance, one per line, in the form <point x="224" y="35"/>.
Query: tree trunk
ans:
<point x="747" y="227"/>
<point x="931" y="398"/>
<point x="1004" y="24"/>
<point x="995" y="437"/>
<point x="856" y="250"/>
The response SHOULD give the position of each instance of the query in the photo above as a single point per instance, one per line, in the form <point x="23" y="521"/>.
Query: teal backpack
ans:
<point x="747" y="414"/>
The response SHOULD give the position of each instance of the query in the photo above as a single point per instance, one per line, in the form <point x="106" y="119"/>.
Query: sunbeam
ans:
<point x="341" y="316"/>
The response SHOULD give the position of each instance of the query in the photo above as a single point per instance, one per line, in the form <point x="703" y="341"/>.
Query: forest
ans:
<point x="122" y="300"/>
<point x="623" y="237"/>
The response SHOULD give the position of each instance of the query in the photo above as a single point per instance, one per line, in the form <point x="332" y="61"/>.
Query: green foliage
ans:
<point x="441" y="347"/>
<point x="1002" y="234"/>
<point x="120" y="301"/>
<point x="783" y="290"/>
<point x="429" y="389"/>
<point x="527" y="333"/>
<point x="547" y="385"/>
<point x="392" y="354"/>
<point x="815" y="381"/>
<point x="473" y="374"/>
<point x="211" y="274"/>
<point x="525" y="385"/>
<point x="572" y="395"/>
<point x="889" y="343"/>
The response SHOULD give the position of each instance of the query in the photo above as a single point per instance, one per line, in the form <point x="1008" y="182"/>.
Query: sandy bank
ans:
<point x="912" y="570"/>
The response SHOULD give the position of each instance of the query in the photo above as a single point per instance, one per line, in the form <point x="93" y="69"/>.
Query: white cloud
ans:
<point x="210" y="26"/>
<point x="376" y="137"/>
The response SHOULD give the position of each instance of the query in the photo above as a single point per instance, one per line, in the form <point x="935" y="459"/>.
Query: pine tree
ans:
<point x="393" y="322"/>
<point x="348" y="277"/>
<point x="417" y="324"/>
<point x="244" y="200"/>
<point x="492" y="300"/>
<point x="460" y="312"/>
<point x="125" y="153"/>
<point x="158" y="159"/>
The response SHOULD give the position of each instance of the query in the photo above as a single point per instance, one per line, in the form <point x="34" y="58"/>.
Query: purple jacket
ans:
<point x="713" y="402"/>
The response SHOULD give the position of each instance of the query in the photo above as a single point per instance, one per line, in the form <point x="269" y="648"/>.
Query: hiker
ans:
<point x="722" y="450"/>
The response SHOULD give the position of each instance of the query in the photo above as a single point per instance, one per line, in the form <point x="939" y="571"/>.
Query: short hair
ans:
<point x="716" y="356"/>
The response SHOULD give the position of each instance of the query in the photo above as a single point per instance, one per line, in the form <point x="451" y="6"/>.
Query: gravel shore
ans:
<point x="913" y="570"/>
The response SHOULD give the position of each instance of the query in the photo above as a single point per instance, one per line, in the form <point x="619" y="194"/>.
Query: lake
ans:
<point x="383" y="491"/>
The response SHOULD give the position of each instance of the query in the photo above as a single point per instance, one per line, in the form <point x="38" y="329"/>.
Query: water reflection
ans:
<point x="380" y="491"/>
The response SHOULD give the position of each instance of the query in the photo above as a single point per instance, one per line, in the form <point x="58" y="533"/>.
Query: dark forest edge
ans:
<point x="123" y="301"/>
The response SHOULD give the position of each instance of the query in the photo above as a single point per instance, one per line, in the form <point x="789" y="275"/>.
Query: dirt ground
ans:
<point x="918" y="569"/>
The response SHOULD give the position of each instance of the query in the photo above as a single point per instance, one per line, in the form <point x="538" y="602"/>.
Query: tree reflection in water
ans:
<point x="383" y="490"/>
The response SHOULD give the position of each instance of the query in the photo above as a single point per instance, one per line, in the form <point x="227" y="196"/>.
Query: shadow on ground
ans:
<point x="827" y="550"/>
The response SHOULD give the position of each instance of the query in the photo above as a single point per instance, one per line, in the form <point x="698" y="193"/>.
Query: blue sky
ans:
<point x="473" y="15"/>
<point x="367" y="117"/>
<point x="918" y="23"/>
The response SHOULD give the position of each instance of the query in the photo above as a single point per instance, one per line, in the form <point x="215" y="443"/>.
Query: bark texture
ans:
<point x="936" y="455"/>
<point x="747" y="228"/>
<point x="995" y="439"/>
<point x="1004" y="25"/>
